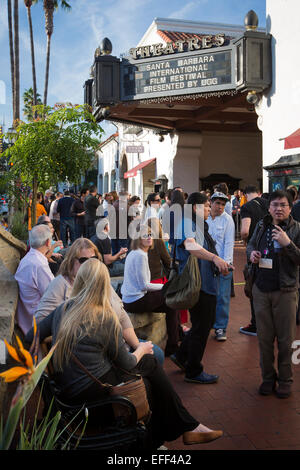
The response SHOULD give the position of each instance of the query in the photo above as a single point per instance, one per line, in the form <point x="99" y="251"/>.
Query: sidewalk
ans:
<point x="249" y="420"/>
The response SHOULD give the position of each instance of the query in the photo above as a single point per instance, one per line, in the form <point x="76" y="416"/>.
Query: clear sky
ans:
<point x="77" y="34"/>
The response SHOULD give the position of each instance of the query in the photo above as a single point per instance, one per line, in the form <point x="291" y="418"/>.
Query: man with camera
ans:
<point x="274" y="249"/>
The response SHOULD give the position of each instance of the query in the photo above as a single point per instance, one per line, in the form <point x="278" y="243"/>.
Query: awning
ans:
<point x="293" y="140"/>
<point x="134" y="170"/>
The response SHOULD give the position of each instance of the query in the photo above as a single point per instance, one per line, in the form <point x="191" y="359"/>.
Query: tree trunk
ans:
<point x="33" y="203"/>
<point x="47" y="69"/>
<point x="32" y="56"/>
<point x="11" y="51"/>
<point x="16" y="61"/>
<point x="48" y="10"/>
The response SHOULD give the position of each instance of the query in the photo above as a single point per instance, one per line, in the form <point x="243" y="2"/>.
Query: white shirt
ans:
<point x="222" y="230"/>
<point x="137" y="277"/>
<point x="33" y="276"/>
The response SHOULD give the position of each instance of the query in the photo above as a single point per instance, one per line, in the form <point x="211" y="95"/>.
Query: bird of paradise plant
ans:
<point x="28" y="374"/>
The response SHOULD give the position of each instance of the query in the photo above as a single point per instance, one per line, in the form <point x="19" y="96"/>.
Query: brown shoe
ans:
<point x="283" y="390"/>
<point x="267" y="388"/>
<point x="191" y="437"/>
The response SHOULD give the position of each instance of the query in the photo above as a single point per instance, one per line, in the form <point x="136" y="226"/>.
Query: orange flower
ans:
<point x="23" y="356"/>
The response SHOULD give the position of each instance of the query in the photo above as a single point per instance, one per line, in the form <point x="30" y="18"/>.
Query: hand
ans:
<point x="57" y="255"/>
<point x="221" y="265"/>
<point x="280" y="236"/>
<point x="145" y="347"/>
<point x="123" y="251"/>
<point x="255" y="257"/>
<point x="59" y="244"/>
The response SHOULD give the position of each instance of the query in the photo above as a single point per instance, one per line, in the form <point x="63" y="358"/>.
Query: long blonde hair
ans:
<point x="88" y="307"/>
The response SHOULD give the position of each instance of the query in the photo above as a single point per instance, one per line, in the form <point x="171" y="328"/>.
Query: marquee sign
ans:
<point x="191" y="72"/>
<point x="194" y="66"/>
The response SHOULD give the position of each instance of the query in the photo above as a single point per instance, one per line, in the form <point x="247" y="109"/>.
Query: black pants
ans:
<point x="169" y="418"/>
<point x="192" y="348"/>
<point x="155" y="302"/>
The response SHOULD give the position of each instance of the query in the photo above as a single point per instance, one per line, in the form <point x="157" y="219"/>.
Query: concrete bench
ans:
<point x="149" y="325"/>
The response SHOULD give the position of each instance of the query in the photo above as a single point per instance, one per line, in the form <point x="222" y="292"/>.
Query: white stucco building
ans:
<point x="205" y="141"/>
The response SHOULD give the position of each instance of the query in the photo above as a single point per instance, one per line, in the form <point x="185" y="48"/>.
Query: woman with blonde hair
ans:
<point x="60" y="288"/>
<point x="86" y="329"/>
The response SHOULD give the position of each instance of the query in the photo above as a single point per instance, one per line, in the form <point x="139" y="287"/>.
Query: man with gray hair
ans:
<point x="33" y="275"/>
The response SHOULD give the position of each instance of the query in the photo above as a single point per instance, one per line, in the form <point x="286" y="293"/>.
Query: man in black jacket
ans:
<point x="66" y="219"/>
<point x="91" y="204"/>
<point x="274" y="248"/>
<point x="78" y="212"/>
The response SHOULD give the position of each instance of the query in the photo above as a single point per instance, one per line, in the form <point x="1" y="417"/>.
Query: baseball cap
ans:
<point x="218" y="195"/>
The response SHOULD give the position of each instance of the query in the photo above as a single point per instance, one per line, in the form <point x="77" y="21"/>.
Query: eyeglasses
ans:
<point x="83" y="259"/>
<point x="278" y="204"/>
<point x="156" y="200"/>
<point x="147" y="235"/>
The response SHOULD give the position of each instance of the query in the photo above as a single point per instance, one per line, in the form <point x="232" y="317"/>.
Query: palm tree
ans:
<point x="49" y="7"/>
<point x="16" y="61"/>
<point x="11" y="51"/>
<point x="13" y="33"/>
<point x="29" y="101"/>
<point x="28" y="4"/>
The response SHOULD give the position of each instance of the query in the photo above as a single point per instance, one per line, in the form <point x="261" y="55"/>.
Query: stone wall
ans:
<point x="11" y="251"/>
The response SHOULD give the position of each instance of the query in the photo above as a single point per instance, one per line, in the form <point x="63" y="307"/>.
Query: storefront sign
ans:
<point x="191" y="72"/>
<point x="135" y="149"/>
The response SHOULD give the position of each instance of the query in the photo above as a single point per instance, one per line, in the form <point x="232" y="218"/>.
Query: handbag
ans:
<point x="182" y="290"/>
<point x="249" y="272"/>
<point x="134" y="390"/>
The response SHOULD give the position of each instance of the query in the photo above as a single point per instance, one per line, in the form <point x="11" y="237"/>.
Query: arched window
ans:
<point x="113" y="180"/>
<point x="106" y="183"/>
<point x="100" y="184"/>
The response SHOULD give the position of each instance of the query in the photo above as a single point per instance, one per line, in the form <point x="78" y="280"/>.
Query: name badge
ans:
<point x="265" y="263"/>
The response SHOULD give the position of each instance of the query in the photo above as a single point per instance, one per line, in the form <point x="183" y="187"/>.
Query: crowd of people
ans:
<point x="81" y="242"/>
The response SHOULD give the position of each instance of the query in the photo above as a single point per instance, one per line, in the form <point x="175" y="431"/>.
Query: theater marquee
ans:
<point x="189" y="72"/>
<point x="195" y="66"/>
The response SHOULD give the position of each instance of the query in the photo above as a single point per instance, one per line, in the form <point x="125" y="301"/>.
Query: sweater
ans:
<point x="90" y="352"/>
<point x="137" y="277"/>
<point x="159" y="259"/>
<point x="59" y="290"/>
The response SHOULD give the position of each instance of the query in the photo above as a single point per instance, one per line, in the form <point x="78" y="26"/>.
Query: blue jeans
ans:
<point x="117" y="269"/>
<point x="65" y="224"/>
<point x="223" y="302"/>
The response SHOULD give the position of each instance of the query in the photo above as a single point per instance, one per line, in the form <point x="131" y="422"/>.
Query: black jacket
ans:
<point x="91" y="204"/>
<point x="289" y="256"/>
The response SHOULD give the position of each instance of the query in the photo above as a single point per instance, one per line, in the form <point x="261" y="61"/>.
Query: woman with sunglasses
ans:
<point x="86" y="329"/>
<point x="139" y="295"/>
<point x="60" y="288"/>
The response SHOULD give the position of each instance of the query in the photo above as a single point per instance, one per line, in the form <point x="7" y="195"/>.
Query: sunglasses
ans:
<point x="147" y="235"/>
<point x="83" y="259"/>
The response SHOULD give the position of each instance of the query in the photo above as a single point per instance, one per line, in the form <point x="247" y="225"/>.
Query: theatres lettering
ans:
<point x="192" y="44"/>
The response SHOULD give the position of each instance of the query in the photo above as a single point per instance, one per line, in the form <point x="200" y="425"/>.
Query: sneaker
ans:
<point x="248" y="330"/>
<point x="178" y="363"/>
<point x="220" y="334"/>
<point x="267" y="388"/>
<point x="203" y="378"/>
<point x="283" y="390"/>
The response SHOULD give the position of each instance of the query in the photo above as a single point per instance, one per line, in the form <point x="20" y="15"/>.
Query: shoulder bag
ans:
<point x="182" y="290"/>
<point x="134" y="390"/>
